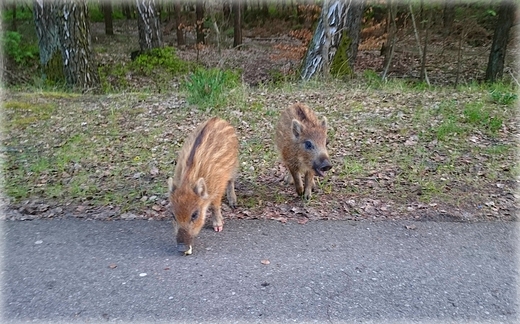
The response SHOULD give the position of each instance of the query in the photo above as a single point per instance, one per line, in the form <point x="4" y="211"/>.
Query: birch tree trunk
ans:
<point x="79" y="66"/>
<point x="148" y="23"/>
<point x="64" y="42"/>
<point x="48" y="42"/>
<point x="326" y="38"/>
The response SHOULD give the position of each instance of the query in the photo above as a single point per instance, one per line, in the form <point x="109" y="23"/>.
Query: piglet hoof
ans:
<point x="218" y="228"/>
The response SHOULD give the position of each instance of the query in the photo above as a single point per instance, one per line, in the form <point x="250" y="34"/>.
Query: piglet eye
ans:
<point x="194" y="215"/>
<point x="308" y="145"/>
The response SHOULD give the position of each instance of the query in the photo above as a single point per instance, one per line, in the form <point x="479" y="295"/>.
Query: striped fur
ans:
<point x="301" y="140"/>
<point x="206" y="169"/>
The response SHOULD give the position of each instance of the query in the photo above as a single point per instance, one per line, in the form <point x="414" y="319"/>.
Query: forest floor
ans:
<point x="390" y="159"/>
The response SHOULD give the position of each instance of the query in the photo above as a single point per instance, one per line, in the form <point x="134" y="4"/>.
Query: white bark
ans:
<point x="326" y="39"/>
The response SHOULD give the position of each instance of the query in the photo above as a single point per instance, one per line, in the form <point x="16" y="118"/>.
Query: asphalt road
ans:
<point x="80" y="271"/>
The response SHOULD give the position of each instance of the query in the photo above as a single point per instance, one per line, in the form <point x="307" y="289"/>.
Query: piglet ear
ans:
<point x="324" y="122"/>
<point x="200" y="188"/>
<point x="171" y="186"/>
<point x="297" y="128"/>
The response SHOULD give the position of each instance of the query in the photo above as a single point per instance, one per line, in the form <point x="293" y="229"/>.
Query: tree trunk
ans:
<point x="506" y="18"/>
<point x="388" y="48"/>
<point x="448" y="17"/>
<point x="226" y="10"/>
<point x="265" y="9"/>
<point x="423" y="74"/>
<point x="326" y="38"/>
<point x="127" y="10"/>
<point x="237" y="19"/>
<point x="107" y="14"/>
<point x="13" y="22"/>
<point x="199" y="13"/>
<point x="354" y="20"/>
<point x="48" y="42"/>
<point x="79" y="66"/>
<point x="177" y="7"/>
<point x="148" y="23"/>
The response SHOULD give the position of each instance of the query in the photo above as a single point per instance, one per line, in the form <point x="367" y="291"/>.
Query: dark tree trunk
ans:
<point x="107" y="14"/>
<point x="265" y="9"/>
<point x="226" y="10"/>
<point x="148" y="23"/>
<point x="506" y="18"/>
<point x="237" y="23"/>
<point x="199" y="14"/>
<point x="13" y="22"/>
<point x="388" y="47"/>
<point x="326" y="39"/>
<point x="423" y="74"/>
<point x="177" y="7"/>
<point x="79" y="66"/>
<point x="448" y="17"/>
<point x="354" y="19"/>
<point x="48" y="42"/>
<point x="127" y="10"/>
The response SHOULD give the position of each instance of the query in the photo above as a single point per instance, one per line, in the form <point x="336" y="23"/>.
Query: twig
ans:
<point x="423" y="60"/>
<point x="16" y="77"/>
<point x="514" y="77"/>
<point x="422" y="53"/>
<point x="459" y="57"/>
<point x="415" y="30"/>
<point x="394" y="36"/>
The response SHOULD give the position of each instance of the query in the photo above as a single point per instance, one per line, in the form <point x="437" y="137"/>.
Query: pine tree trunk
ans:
<point x="107" y="15"/>
<point x="448" y="17"/>
<point x="74" y="34"/>
<point x="506" y="18"/>
<point x="237" y="18"/>
<point x="326" y="39"/>
<point x="177" y="7"/>
<point x="14" y="20"/>
<point x="353" y="27"/>
<point x="148" y="23"/>
<point x="127" y="10"/>
<point x="388" y="48"/>
<point x="226" y="10"/>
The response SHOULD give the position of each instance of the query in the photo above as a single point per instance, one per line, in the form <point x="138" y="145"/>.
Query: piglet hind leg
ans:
<point x="298" y="185"/>
<point x="231" y="195"/>
<point x="309" y="184"/>
<point x="218" y="221"/>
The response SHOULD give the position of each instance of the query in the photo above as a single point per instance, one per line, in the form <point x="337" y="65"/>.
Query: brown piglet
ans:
<point x="301" y="141"/>
<point x="206" y="168"/>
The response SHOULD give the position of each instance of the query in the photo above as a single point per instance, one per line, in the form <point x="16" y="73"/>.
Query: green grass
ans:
<point x="23" y="114"/>
<point x="103" y="154"/>
<point x="207" y="88"/>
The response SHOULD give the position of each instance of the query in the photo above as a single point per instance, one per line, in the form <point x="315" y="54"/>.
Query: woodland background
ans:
<point x="405" y="143"/>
